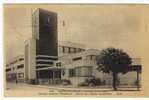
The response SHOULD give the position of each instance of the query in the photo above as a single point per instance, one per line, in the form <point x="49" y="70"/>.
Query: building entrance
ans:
<point x="49" y="76"/>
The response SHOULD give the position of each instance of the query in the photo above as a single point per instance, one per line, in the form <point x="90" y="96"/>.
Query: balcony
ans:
<point x="84" y="62"/>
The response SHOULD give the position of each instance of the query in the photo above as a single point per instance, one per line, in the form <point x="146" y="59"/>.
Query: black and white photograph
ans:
<point x="75" y="50"/>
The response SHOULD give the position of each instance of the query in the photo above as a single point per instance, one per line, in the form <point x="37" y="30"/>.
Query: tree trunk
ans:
<point x="114" y="81"/>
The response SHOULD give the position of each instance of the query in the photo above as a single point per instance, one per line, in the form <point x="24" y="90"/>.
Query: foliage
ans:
<point x="113" y="60"/>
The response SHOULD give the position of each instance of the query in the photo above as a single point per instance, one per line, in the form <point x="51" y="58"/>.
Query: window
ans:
<point x="79" y="50"/>
<point x="20" y="75"/>
<point x="13" y="76"/>
<point x="78" y="71"/>
<point x="57" y="74"/>
<point x="72" y="50"/>
<point x="77" y="58"/>
<point x="58" y="64"/>
<point x="63" y="49"/>
<point x="46" y="58"/>
<point x="91" y="57"/>
<point x="42" y="66"/>
<point x="20" y="66"/>
<point x="66" y="50"/>
<point x="75" y="50"/>
<point x="21" y="59"/>
<point x="44" y="62"/>
<point x="84" y="71"/>
<point x="69" y="50"/>
<point x="83" y="49"/>
<point x="7" y="70"/>
<point x="71" y="72"/>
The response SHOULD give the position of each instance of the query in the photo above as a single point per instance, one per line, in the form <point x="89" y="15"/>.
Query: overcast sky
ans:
<point x="96" y="26"/>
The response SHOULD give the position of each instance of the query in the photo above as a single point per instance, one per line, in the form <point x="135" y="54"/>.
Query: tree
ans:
<point x="113" y="61"/>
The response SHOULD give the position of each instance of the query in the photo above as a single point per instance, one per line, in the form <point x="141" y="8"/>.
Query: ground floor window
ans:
<point x="84" y="71"/>
<point x="20" y="75"/>
<point x="48" y="74"/>
<point x="72" y="72"/>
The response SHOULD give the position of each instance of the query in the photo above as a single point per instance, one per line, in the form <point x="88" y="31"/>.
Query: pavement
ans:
<point x="23" y="89"/>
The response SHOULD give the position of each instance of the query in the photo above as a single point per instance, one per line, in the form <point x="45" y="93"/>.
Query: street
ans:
<point x="27" y="90"/>
<point x="22" y="89"/>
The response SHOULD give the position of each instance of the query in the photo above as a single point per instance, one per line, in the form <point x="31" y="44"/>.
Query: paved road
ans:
<point x="22" y="89"/>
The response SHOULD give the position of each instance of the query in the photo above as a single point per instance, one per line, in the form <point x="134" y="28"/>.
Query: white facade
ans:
<point x="30" y="59"/>
<point x="83" y="64"/>
<point x="15" y="69"/>
<point x="65" y="48"/>
<point x="74" y="66"/>
<point x="80" y="66"/>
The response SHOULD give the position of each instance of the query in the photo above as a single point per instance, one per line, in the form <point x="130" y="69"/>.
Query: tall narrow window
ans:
<point x="72" y="72"/>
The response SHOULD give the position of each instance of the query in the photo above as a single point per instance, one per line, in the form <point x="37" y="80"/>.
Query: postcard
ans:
<point x="76" y="50"/>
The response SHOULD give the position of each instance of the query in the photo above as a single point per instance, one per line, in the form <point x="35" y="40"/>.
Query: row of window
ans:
<point x="42" y="66"/>
<point x="80" y="72"/>
<point x="44" y="62"/>
<point x="46" y="58"/>
<point x="20" y="66"/>
<point x="65" y="49"/>
<point x="13" y="68"/>
<point x="15" y="76"/>
<point x="77" y="58"/>
<point x="58" y="64"/>
<point x="8" y="69"/>
<point x="89" y="57"/>
<point x="20" y="59"/>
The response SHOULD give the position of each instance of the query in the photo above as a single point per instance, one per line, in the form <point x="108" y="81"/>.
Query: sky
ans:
<point x="96" y="26"/>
